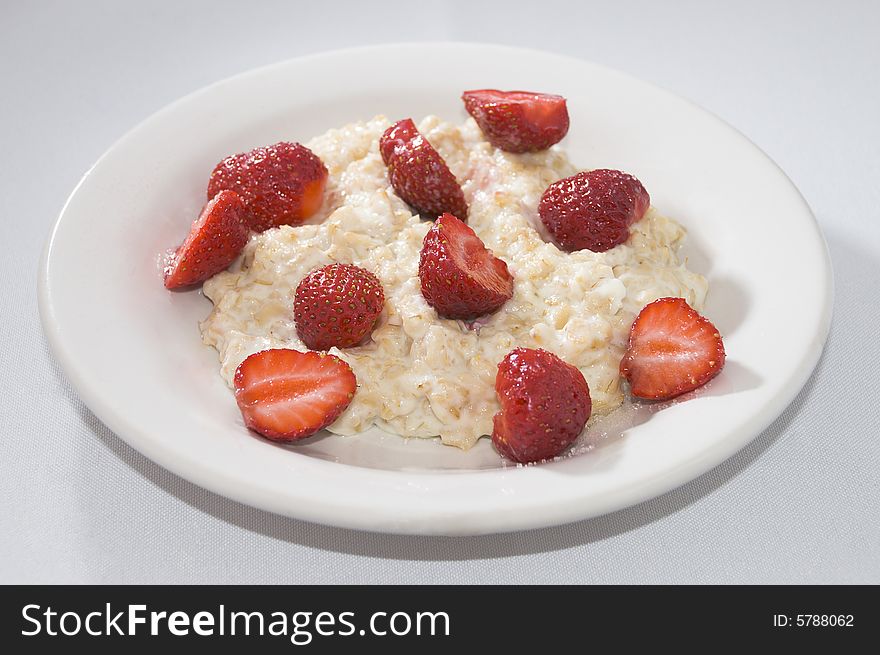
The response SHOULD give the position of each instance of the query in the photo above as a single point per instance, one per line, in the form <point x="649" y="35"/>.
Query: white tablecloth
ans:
<point x="800" y="504"/>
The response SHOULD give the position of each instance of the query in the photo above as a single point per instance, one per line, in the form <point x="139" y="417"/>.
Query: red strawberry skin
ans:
<point x="418" y="173"/>
<point x="593" y="209"/>
<point x="216" y="238"/>
<point x="518" y="121"/>
<point x="337" y="305"/>
<point x="545" y="404"/>
<point x="281" y="184"/>
<point x="287" y="395"/>
<point x="459" y="277"/>
<point x="672" y="350"/>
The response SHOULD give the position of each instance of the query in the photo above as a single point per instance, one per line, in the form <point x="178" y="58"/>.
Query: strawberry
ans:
<point x="518" y="121"/>
<point x="418" y="173"/>
<point x="287" y="395"/>
<point x="337" y="305"/>
<point x="545" y="404"/>
<point x="281" y="184"/>
<point x="672" y="350"/>
<point x="593" y="209"/>
<point x="460" y="278"/>
<point x="215" y="240"/>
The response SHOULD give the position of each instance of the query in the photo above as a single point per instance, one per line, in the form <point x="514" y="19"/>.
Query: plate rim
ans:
<point x="232" y="487"/>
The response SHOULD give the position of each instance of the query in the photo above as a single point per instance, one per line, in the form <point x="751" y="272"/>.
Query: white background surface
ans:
<point x="800" y="504"/>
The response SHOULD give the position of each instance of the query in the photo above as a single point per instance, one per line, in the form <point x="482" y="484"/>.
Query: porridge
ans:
<point x="420" y="375"/>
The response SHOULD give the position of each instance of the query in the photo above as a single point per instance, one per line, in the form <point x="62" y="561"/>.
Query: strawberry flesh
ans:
<point x="287" y="395"/>
<point x="216" y="238"/>
<point x="281" y="184"/>
<point x="518" y="121"/>
<point x="459" y="276"/>
<point x="545" y="404"/>
<point x="672" y="350"/>
<point x="418" y="173"/>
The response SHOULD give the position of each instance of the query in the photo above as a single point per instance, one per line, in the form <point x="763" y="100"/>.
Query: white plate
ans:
<point x="134" y="353"/>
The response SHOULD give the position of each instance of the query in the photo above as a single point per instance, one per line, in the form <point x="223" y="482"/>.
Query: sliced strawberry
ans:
<point x="337" y="305"/>
<point x="282" y="184"/>
<point x="418" y="173"/>
<point x="518" y="121"/>
<point x="672" y="350"/>
<point x="287" y="395"/>
<point x="215" y="240"/>
<point x="593" y="209"/>
<point x="460" y="277"/>
<point x="545" y="404"/>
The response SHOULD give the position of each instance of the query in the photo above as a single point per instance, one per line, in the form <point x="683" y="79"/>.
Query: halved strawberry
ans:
<point x="418" y="173"/>
<point x="215" y="239"/>
<point x="593" y="209"/>
<point x="459" y="276"/>
<point x="518" y="121"/>
<point x="281" y="184"/>
<point x="287" y="395"/>
<point x="672" y="350"/>
<point x="545" y="404"/>
<point x="337" y="305"/>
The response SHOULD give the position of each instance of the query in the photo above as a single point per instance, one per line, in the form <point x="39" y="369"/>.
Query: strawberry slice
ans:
<point x="418" y="173"/>
<point x="214" y="241"/>
<point x="518" y="121"/>
<point x="287" y="395"/>
<point x="672" y="350"/>
<point x="459" y="276"/>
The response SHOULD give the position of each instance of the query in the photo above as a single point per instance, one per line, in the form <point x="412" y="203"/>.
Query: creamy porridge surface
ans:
<point x="421" y="375"/>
